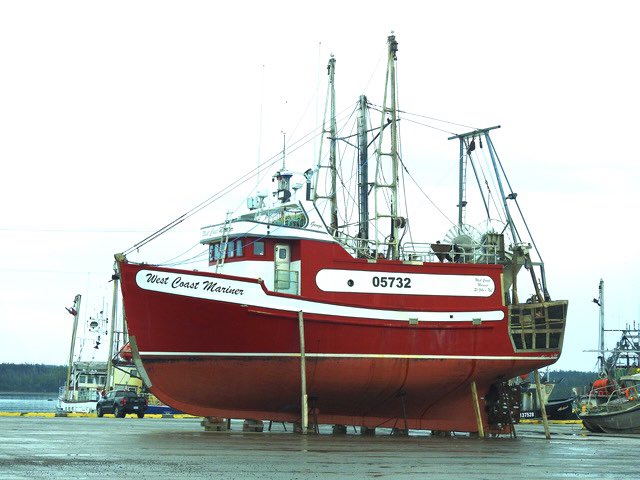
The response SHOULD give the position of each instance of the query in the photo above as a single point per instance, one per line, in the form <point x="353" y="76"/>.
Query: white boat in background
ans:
<point x="88" y="371"/>
<point x="87" y="379"/>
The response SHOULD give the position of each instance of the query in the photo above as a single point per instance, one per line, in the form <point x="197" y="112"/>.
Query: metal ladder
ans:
<point x="224" y="241"/>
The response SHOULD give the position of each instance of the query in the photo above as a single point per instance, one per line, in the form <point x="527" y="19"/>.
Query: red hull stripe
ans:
<point x="250" y="293"/>
<point x="343" y="355"/>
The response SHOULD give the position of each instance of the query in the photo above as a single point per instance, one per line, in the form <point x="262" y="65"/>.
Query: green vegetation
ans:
<point x="31" y="378"/>
<point x="566" y="380"/>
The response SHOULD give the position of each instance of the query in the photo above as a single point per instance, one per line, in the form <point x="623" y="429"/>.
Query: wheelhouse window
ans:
<point x="289" y="215"/>
<point x="258" y="248"/>
<point x="232" y="248"/>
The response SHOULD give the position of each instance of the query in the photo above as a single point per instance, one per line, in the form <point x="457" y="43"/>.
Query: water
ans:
<point x="28" y="402"/>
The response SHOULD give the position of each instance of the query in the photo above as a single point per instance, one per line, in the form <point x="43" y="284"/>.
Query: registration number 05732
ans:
<point x="391" y="282"/>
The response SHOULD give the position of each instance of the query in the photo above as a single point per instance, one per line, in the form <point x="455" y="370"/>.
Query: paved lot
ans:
<point x="37" y="447"/>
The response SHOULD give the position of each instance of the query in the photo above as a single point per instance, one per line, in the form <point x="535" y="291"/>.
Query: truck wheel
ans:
<point x="140" y="414"/>
<point x="99" y="412"/>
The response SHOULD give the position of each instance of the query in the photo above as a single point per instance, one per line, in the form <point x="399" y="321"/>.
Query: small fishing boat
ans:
<point x="620" y="412"/>
<point x="613" y="405"/>
<point x="558" y="409"/>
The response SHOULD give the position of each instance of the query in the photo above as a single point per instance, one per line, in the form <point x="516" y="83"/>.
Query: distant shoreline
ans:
<point x="52" y="394"/>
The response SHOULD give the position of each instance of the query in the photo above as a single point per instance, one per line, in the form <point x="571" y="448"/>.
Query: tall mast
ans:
<point x="363" y="176"/>
<point x="114" y="310"/>
<point x="75" y="311"/>
<point x="331" y="195"/>
<point x="600" y="302"/>
<point x="332" y="148"/>
<point x="382" y="185"/>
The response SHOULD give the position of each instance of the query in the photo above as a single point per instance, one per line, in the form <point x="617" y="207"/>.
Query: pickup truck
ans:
<point x="121" y="402"/>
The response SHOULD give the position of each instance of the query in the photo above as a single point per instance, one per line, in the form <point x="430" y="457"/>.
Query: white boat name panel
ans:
<point x="250" y="293"/>
<point x="354" y="281"/>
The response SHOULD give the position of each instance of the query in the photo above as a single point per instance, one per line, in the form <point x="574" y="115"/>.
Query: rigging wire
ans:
<point x="400" y="155"/>
<point x="492" y="198"/>
<point x="197" y="257"/>
<point x="226" y="190"/>
<point x="173" y="259"/>
<point x="229" y="188"/>
<point x="432" y="118"/>
<point x="424" y="193"/>
<point x="469" y="152"/>
<point x="526" y="225"/>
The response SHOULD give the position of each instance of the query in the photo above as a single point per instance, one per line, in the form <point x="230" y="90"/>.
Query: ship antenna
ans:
<point x="284" y="148"/>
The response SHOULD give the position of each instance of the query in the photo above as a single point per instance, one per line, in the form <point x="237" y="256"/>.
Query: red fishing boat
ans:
<point x="299" y="314"/>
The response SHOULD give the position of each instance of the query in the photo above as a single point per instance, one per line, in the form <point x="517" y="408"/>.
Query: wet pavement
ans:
<point x="41" y="447"/>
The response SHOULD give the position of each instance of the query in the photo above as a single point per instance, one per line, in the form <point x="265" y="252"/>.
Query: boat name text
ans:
<point x="204" y="285"/>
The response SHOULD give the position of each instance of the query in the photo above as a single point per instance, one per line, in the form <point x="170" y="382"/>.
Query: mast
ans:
<point x="394" y="240"/>
<point x="461" y="186"/>
<point x="332" y="149"/>
<point x="331" y="195"/>
<point x="75" y="311"/>
<point x="600" y="302"/>
<point x="389" y="188"/>
<point x="114" y="310"/>
<point x="363" y="177"/>
<point x="468" y="148"/>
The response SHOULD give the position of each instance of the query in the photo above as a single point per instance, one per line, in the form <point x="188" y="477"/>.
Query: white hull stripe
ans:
<point x="394" y="283"/>
<point x="341" y="355"/>
<point x="251" y="294"/>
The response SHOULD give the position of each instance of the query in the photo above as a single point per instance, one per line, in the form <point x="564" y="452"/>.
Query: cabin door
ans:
<point x="285" y="280"/>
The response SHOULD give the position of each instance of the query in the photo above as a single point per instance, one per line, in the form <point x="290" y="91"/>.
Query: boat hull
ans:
<point x="69" y="406"/>
<point x="556" y="410"/>
<point x="229" y="359"/>
<point x="623" y="418"/>
<point x="403" y="393"/>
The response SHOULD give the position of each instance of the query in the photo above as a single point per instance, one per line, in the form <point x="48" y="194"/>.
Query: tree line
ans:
<point x="565" y="381"/>
<point x="31" y="378"/>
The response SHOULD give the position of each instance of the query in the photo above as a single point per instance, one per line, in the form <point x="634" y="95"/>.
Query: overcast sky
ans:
<point x="116" y="117"/>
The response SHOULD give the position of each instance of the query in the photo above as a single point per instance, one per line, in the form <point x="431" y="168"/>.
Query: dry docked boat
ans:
<point x="619" y="412"/>
<point x="613" y="405"/>
<point x="388" y="333"/>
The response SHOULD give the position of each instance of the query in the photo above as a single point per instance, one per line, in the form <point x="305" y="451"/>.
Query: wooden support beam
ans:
<point x="476" y="408"/>
<point x="543" y="410"/>
<point x="304" y="406"/>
